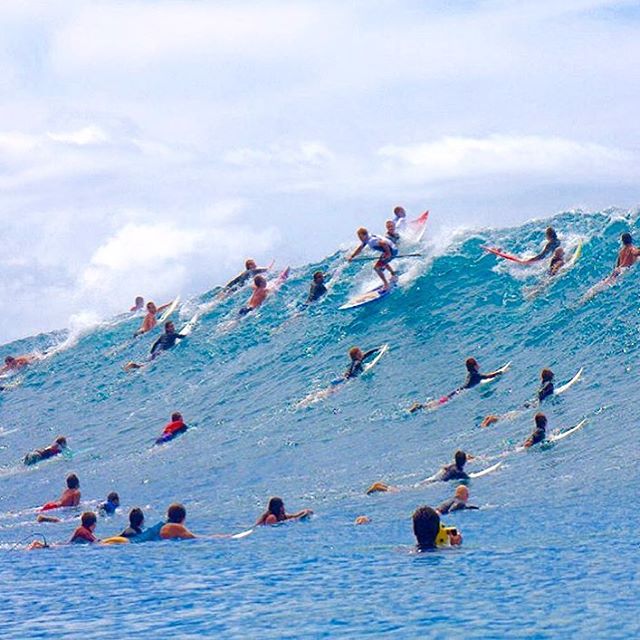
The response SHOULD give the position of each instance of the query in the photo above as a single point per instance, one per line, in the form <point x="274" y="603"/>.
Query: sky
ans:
<point x="149" y="147"/>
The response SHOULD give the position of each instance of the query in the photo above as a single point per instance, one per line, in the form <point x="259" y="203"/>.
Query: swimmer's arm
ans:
<point x="299" y="515"/>
<point x="369" y="353"/>
<point x="492" y="374"/>
<point x="545" y="252"/>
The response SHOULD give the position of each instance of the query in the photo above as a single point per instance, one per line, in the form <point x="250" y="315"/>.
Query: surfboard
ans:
<point x="242" y="534"/>
<point x="502" y="369"/>
<point x="484" y="472"/>
<point x="367" y="367"/>
<point x="169" y="310"/>
<point x="366" y="298"/>
<point x="503" y="254"/>
<point x="568" y="385"/>
<point x="605" y="283"/>
<point x="418" y="226"/>
<point x="563" y="434"/>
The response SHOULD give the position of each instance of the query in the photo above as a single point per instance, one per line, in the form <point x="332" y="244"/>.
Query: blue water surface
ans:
<point x="551" y="553"/>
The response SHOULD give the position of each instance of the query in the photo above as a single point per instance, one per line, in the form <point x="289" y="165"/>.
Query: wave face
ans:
<point x="548" y="554"/>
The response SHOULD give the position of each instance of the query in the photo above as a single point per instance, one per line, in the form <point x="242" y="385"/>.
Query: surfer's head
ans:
<point x="462" y="493"/>
<point x="176" y="417"/>
<point x="391" y="226"/>
<point x="250" y="264"/>
<point x="471" y="364"/>
<point x="318" y="276"/>
<point x="355" y="353"/>
<point x="541" y="421"/>
<point x="61" y="441"/>
<point x="276" y="507"/>
<point x="169" y="327"/>
<point x="363" y="234"/>
<point x="461" y="458"/>
<point x="151" y="307"/>
<point x="426" y="525"/>
<point x="260" y="282"/>
<point x="10" y="361"/>
<point x="72" y="481"/>
<point x="546" y="375"/>
<point x="550" y="233"/>
<point x="626" y="239"/>
<point x="139" y="302"/>
<point x="399" y="212"/>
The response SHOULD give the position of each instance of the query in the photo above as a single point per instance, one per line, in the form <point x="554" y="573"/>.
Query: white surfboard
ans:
<point x="169" y="310"/>
<point x="568" y="385"/>
<point x="484" y="472"/>
<point x="502" y="369"/>
<point x="367" y="297"/>
<point x="563" y="434"/>
<point x="242" y="534"/>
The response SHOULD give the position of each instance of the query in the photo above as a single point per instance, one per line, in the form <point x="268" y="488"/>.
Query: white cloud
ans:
<point x="305" y="153"/>
<point x="81" y="137"/>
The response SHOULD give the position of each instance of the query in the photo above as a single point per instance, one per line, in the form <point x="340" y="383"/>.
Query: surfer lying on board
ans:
<point x="539" y="433"/>
<point x="149" y="321"/>
<point x="251" y="269"/>
<point x="627" y="255"/>
<point x="474" y="377"/>
<point x="70" y="496"/>
<point x="276" y="513"/>
<point x="84" y="534"/>
<point x="430" y="533"/>
<point x="358" y="358"/>
<point x="546" y="390"/>
<point x="166" y="341"/>
<point x="173" y="429"/>
<point x="384" y="245"/>
<point x="260" y="292"/>
<point x="15" y="363"/>
<point x="457" y="503"/>
<point x="318" y="288"/>
<point x="58" y="446"/>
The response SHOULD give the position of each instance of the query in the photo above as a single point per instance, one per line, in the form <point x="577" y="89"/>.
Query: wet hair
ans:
<point x="353" y="352"/>
<point x="114" y="498"/>
<point x="168" y="324"/>
<point x="461" y="458"/>
<point x="176" y="513"/>
<point x="72" y="481"/>
<point x="151" y="303"/>
<point x="362" y="231"/>
<point x="88" y="519"/>
<point x="61" y="440"/>
<point x="626" y="238"/>
<point x="317" y="275"/>
<point x="249" y="261"/>
<point x="551" y="233"/>
<point x="462" y="493"/>
<point x="546" y="375"/>
<point x="541" y="420"/>
<point x="426" y="525"/>
<point x="275" y="507"/>
<point x="471" y="364"/>
<point x="136" y="517"/>
<point x="260" y="281"/>
<point x="176" y="416"/>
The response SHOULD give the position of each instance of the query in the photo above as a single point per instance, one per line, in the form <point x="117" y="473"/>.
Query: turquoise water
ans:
<point x="551" y="553"/>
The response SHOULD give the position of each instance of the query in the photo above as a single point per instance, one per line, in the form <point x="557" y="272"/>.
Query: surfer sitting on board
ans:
<point x="14" y="363"/>
<point x="260" y="292"/>
<point x="392" y="231"/>
<point x="149" y="321"/>
<point x="358" y="358"/>
<point x="318" y="288"/>
<point x="628" y="255"/>
<point x="457" y="503"/>
<point x="173" y="429"/>
<point x="276" y="513"/>
<point x="58" y="446"/>
<point x="429" y="531"/>
<point x="539" y="433"/>
<point x="138" y="304"/>
<point x="384" y="245"/>
<point x="70" y="496"/>
<point x="251" y="269"/>
<point x="552" y="244"/>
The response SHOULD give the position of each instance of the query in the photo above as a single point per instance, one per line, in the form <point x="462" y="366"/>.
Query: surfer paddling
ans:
<point x="251" y="269"/>
<point x="627" y="255"/>
<point x="385" y="246"/>
<point x="318" y="287"/>
<point x="539" y="433"/>
<point x="166" y="341"/>
<point x="15" y="363"/>
<point x="358" y="360"/>
<point x="474" y="377"/>
<point x="149" y="321"/>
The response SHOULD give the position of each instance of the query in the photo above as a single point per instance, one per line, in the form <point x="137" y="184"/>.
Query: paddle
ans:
<point x="404" y="255"/>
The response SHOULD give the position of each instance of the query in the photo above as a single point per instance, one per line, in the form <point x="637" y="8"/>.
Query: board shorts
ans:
<point x="383" y="262"/>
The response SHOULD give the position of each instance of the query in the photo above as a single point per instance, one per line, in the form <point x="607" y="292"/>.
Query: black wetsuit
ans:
<point x="164" y="342"/>
<point x="453" y="472"/>
<point x="356" y="367"/>
<point x="545" y="391"/>
<point x="316" y="291"/>
<point x="453" y="504"/>
<point x="538" y="435"/>
<point x="131" y="532"/>
<point x="243" y="278"/>
<point x="474" y="378"/>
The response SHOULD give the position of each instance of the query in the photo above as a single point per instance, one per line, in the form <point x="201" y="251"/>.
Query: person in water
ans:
<point x="59" y="446"/>
<point x="138" y="305"/>
<point x="165" y="342"/>
<point x="84" y="534"/>
<point x="539" y="433"/>
<point x="150" y="321"/>
<point x="108" y="508"/>
<point x="358" y="358"/>
<point x="318" y="288"/>
<point x="260" y="292"/>
<point x="457" y="503"/>
<point x="551" y="245"/>
<point x="251" y="270"/>
<point x="174" y="528"/>
<point x="557" y="261"/>
<point x="430" y="533"/>
<point x="136" y="520"/>
<point x="15" y="363"/>
<point x="385" y="246"/>
<point x="70" y="496"/>
<point x="173" y="429"/>
<point x="276" y="513"/>
<point x="391" y="232"/>
<point x="627" y="255"/>
<point x="455" y="470"/>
